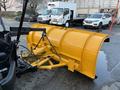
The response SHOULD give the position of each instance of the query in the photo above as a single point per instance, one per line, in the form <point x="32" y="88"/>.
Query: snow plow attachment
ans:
<point x="74" y="48"/>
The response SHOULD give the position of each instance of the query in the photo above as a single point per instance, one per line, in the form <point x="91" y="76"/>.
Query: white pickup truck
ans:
<point x="98" y="20"/>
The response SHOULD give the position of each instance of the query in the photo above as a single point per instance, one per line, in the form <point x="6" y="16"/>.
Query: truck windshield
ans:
<point x="57" y="11"/>
<point x="95" y="16"/>
<point x="46" y="12"/>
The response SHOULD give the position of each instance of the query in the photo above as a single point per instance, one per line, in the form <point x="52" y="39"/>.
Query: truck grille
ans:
<point x="54" y="20"/>
<point x="39" y="18"/>
<point x="88" y="21"/>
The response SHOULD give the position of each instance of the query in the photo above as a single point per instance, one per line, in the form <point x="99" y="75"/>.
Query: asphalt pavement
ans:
<point x="12" y="23"/>
<point x="108" y="69"/>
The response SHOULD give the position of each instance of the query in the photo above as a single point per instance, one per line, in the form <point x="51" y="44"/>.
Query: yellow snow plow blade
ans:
<point x="74" y="48"/>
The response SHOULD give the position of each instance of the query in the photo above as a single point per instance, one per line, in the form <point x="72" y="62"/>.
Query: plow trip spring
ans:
<point x="58" y="47"/>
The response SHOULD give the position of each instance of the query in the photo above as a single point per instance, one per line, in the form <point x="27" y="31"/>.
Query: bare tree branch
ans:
<point x="33" y="5"/>
<point x="3" y="4"/>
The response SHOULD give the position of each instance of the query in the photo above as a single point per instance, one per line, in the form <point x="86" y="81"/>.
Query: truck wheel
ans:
<point x="67" y="24"/>
<point x="85" y="27"/>
<point x="109" y="24"/>
<point x="100" y="25"/>
<point x="48" y="22"/>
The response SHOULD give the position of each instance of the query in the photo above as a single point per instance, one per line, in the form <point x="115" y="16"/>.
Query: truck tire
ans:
<point x="100" y="25"/>
<point x="85" y="27"/>
<point x="67" y="24"/>
<point x="109" y="24"/>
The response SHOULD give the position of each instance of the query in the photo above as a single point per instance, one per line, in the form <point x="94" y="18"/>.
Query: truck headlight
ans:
<point x="60" y="19"/>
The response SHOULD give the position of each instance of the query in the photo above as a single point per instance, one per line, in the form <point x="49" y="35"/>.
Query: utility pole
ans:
<point x="115" y="15"/>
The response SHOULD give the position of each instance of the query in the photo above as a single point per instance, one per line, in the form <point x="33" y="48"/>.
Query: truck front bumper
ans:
<point x="43" y="21"/>
<point x="94" y="24"/>
<point x="56" y="23"/>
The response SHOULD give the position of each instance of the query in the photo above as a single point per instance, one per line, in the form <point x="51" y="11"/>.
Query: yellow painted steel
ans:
<point x="76" y="49"/>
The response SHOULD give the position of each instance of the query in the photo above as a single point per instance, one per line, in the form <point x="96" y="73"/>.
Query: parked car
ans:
<point x="33" y="18"/>
<point x="98" y="20"/>
<point x="28" y="18"/>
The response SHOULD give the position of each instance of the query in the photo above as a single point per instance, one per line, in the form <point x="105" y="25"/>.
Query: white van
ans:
<point x="44" y="16"/>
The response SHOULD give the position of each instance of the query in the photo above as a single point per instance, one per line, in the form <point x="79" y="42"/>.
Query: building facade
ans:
<point x="92" y="6"/>
<point x="83" y="6"/>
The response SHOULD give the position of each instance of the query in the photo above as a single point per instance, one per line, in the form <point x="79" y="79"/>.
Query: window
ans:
<point x="95" y="16"/>
<point x="57" y="11"/>
<point x="66" y="11"/>
<point x="107" y="15"/>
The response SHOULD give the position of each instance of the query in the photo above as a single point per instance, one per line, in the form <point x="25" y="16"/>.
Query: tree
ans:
<point x="32" y="5"/>
<point x="3" y="4"/>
